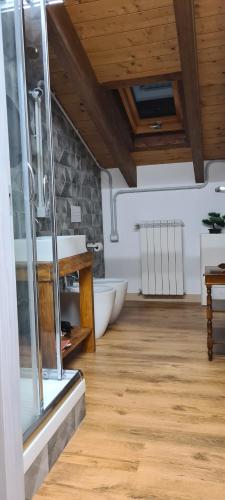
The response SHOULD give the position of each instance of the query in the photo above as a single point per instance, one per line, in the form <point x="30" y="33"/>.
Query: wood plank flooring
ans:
<point x="155" y="424"/>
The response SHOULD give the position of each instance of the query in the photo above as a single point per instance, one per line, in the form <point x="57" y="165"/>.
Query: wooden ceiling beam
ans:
<point x="185" y="21"/>
<point x="169" y="140"/>
<point x="129" y="82"/>
<point x="98" y="101"/>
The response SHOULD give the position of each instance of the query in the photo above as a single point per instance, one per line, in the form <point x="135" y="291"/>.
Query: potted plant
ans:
<point x="216" y="221"/>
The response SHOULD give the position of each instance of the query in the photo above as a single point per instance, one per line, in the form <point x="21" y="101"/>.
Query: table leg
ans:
<point x="209" y="322"/>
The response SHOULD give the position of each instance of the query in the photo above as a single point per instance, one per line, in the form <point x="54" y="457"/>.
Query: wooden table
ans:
<point x="213" y="276"/>
<point x="85" y="333"/>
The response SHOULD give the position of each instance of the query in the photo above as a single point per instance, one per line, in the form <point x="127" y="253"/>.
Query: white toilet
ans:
<point x="104" y="298"/>
<point x="121" y="289"/>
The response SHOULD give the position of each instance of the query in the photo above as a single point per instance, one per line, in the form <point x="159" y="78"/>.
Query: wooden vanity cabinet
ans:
<point x="83" y="334"/>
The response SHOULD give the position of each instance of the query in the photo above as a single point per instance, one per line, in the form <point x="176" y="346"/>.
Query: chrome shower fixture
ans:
<point x="32" y="52"/>
<point x="36" y="93"/>
<point x="42" y="207"/>
<point x="220" y="189"/>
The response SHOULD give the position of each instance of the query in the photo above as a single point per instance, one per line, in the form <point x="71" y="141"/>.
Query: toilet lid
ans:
<point x="102" y="288"/>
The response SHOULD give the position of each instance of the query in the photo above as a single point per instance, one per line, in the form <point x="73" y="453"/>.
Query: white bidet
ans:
<point x="104" y="298"/>
<point x="120" y="286"/>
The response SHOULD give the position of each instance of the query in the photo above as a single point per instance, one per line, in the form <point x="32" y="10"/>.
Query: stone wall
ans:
<point x="78" y="182"/>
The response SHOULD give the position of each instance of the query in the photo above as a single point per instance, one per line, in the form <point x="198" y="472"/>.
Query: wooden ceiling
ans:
<point x="130" y="41"/>
<point x="128" y="38"/>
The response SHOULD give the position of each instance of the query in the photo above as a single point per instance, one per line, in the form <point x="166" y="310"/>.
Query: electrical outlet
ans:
<point x="75" y="213"/>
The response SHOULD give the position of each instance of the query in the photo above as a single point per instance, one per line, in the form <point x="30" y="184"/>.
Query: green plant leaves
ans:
<point x="214" y="219"/>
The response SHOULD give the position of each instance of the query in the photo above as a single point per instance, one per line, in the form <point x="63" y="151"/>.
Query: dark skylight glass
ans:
<point x="154" y="100"/>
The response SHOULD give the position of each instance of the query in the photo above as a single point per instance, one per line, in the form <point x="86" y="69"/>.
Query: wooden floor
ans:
<point x="155" y="424"/>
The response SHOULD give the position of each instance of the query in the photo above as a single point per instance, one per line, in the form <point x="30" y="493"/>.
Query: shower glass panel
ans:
<point x="40" y="132"/>
<point x="31" y="393"/>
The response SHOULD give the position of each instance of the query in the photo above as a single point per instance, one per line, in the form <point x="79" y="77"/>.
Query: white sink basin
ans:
<point x="66" y="245"/>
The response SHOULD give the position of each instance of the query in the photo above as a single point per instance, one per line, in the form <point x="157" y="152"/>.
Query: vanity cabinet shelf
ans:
<point x="77" y="336"/>
<point x="84" y="334"/>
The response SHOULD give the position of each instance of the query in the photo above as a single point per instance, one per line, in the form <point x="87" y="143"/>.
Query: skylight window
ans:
<point x="153" y="107"/>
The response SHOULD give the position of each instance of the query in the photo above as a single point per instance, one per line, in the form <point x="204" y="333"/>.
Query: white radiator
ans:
<point x="162" y="257"/>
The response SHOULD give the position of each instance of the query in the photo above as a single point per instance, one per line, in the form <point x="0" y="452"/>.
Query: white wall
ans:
<point x="123" y="259"/>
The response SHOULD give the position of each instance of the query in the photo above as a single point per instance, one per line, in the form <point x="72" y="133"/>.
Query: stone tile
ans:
<point x="61" y="437"/>
<point x="80" y="411"/>
<point x="87" y="220"/>
<point x="67" y="158"/>
<point x="89" y="233"/>
<point x="96" y="221"/>
<point x="36" y="474"/>
<point x="87" y="207"/>
<point x="60" y="178"/>
<point x="86" y="192"/>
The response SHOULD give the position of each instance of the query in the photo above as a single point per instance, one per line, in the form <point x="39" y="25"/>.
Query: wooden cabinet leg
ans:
<point x="47" y="324"/>
<point x="209" y="322"/>
<point x="87" y="307"/>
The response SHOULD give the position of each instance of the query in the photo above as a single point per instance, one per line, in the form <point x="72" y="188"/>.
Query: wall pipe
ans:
<point x="95" y="160"/>
<point x="114" y="237"/>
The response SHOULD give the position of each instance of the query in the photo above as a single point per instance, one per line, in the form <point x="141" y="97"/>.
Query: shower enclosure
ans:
<point x="28" y="101"/>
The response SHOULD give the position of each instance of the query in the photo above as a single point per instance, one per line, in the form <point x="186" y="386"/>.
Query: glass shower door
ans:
<point x="40" y="132"/>
<point x="22" y="194"/>
<point x="28" y="99"/>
